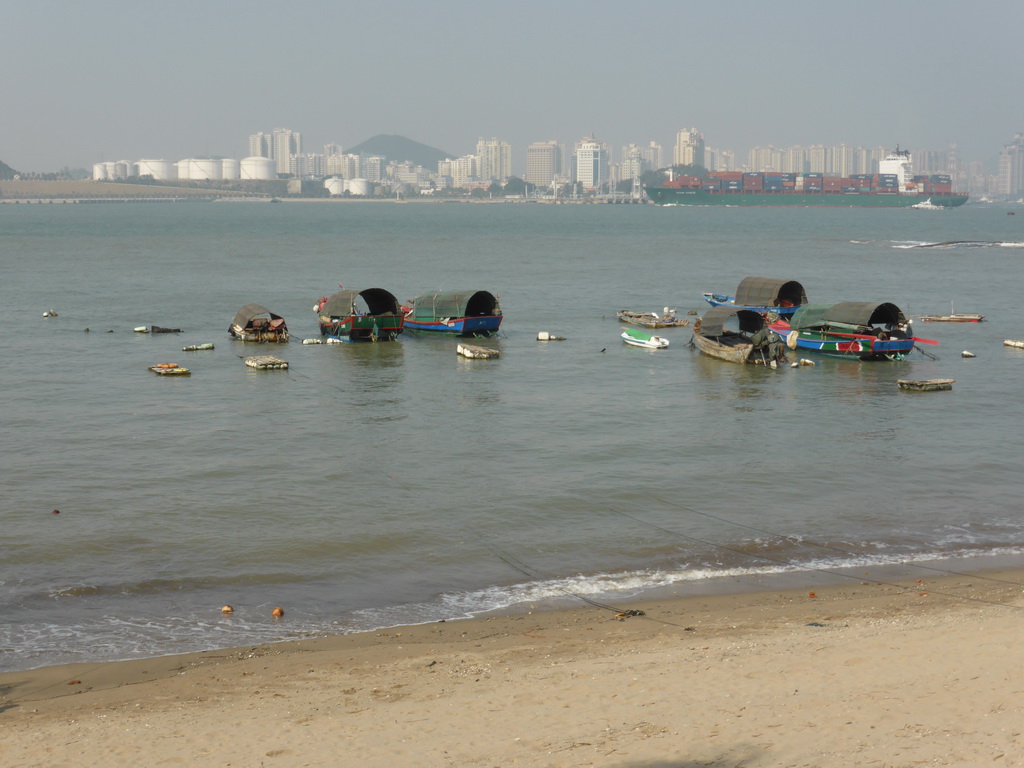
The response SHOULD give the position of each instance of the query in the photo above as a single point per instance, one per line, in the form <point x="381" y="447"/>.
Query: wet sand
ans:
<point x="881" y="674"/>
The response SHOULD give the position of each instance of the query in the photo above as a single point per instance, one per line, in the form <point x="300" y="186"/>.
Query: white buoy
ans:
<point x="142" y="329"/>
<point x="965" y="353"/>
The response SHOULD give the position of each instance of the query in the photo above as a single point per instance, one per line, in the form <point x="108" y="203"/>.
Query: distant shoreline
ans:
<point x="74" y="192"/>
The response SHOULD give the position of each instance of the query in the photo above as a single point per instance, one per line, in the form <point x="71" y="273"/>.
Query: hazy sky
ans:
<point x="130" y="79"/>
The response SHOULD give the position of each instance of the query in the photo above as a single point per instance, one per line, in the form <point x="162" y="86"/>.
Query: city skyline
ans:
<point x="114" y="79"/>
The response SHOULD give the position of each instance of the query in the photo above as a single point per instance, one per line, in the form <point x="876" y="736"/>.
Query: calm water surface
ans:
<point x="372" y="485"/>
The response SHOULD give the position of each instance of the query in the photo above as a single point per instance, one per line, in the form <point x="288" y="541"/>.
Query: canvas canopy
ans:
<point x="769" y="292"/>
<point x="850" y="313"/>
<point x="245" y="315"/>
<point x="369" y="301"/>
<point x="713" y="322"/>
<point x="455" y="304"/>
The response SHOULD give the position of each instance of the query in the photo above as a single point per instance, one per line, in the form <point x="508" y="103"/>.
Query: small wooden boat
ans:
<point x="459" y="313"/>
<point x="954" y="318"/>
<point x="850" y="330"/>
<point x="255" y="323"/>
<point x="762" y="295"/>
<point x="643" y="339"/>
<point x="735" y="346"/>
<point x="667" y="319"/>
<point x="925" y="385"/>
<point x="169" y="369"/>
<point x="372" y="314"/>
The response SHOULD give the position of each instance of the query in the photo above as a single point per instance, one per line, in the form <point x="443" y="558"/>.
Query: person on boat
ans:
<point x="769" y="343"/>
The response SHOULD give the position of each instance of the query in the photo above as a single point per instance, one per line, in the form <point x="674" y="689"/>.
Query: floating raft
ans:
<point x="265" y="362"/>
<point x="545" y="336"/>
<point x="169" y="369"/>
<point x="925" y="385"/>
<point x="196" y="347"/>
<point x="1018" y="343"/>
<point x="477" y="353"/>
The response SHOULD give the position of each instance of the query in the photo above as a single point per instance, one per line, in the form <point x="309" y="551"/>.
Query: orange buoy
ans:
<point x="278" y="612"/>
<point x="227" y="609"/>
<point x="811" y="595"/>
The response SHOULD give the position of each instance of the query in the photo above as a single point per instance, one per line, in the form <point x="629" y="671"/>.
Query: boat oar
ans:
<point x="866" y="336"/>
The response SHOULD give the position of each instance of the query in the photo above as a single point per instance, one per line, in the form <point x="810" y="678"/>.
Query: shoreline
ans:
<point x="900" y="672"/>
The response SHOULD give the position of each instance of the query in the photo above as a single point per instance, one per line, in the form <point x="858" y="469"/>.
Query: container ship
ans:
<point x="894" y="186"/>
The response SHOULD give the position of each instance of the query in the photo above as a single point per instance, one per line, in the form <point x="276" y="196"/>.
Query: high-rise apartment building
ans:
<point x="689" y="148"/>
<point x="543" y="162"/>
<point x="1010" y="174"/>
<point x="633" y="163"/>
<point x="591" y="163"/>
<point x="654" y="156"/>
<point x="794" y="160"/>
<point x="495" y="159"/>
<point x="374" y="168"/>
<point x="765" y="159"/>
<point x="345" y="166"/>
<point x="461" y="171"/>
<point x="261" y="145"/>
<point x="286" y="145"/>
<point x="817" y="159"/>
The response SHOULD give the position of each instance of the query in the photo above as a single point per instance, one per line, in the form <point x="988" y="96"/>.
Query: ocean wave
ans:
<point x="109" y="637"/>
<point x="957" y="244"/>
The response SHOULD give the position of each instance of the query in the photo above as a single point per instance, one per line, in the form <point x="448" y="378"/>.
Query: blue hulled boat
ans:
<point x="763" y="294"/>
<point x="458" y="313"/>
<point x="850" y="330"/>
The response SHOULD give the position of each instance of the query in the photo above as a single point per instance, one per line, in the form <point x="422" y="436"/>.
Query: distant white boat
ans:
<point x="928" y="205"/>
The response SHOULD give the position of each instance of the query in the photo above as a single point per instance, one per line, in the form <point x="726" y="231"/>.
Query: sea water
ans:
<point x="371" y="485"/>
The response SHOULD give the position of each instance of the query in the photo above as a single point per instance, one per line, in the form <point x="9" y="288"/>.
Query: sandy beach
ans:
<point x="914" y="673"/>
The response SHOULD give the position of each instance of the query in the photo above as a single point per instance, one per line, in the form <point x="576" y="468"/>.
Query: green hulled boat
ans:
<point x="868" y="199"/>
<point x="894" y="186"/>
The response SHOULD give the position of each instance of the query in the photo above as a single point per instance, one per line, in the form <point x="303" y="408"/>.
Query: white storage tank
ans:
<point x="203" y="169"/>
<point x="334" y="186"/>
<point x="160" y="170"/>
<point x="229" y="168"/>
<point x="361" y="187"/>
<point x="99" y="171"/>
<point x="123" y="169"/>
<point x="258" y="168"/>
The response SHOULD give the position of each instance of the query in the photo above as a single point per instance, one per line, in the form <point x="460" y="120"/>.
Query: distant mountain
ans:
<point x="400" y="149"/>
<point x="6" y="172"/>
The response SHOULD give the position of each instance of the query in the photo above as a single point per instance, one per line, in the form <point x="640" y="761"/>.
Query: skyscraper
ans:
<point x="633" y="163"/>
<point x="591" y="163"/>
<point x="689" y="149"/>
<point x="652" y="156"/>
<point x="286" y="144"/>
<point x="543" y="162"/>
<point x="260" y="145"/>
<point x="495" y="159"/>
<point x="1011" y="167"/>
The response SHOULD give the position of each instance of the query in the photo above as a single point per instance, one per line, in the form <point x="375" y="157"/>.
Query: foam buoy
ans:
<point x="227" y="609"/>
<point x="965" y="353"/>
<point x="278" y="612"/>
